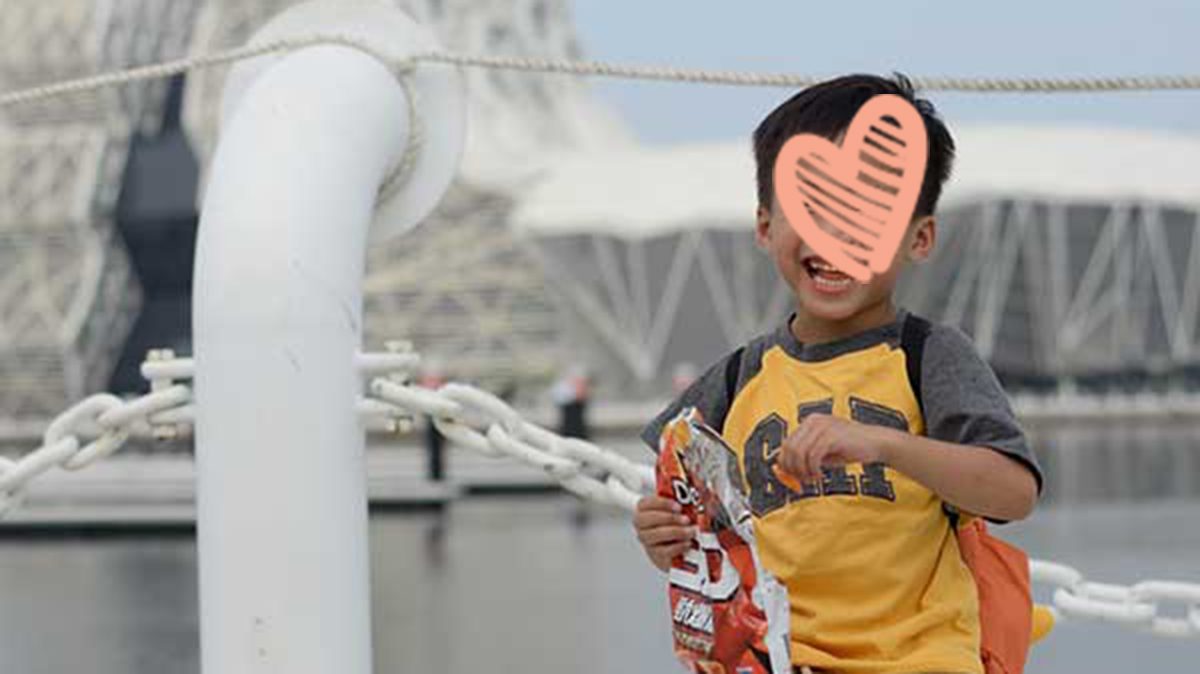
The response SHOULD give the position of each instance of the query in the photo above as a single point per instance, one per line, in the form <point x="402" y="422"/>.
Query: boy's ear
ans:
<point x="921" y="239"/>
<point x="762" y="227"/>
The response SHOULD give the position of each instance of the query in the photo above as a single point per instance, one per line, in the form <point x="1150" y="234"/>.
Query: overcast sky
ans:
<point x="919" y="37"/>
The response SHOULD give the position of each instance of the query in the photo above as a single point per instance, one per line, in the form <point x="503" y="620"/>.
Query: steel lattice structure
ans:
<point x="640" y="307"/>
<point x="517" y="122"/>
<point x="1063" y="288"/>
<point x="464" y="288"/>
<point x="67" y="294"/>
<point x="1054" y="288"/>
<point x="489" y="318"/>
<point x="461" y="287"/>
<point x="1051" y="290"/>
<point x="45" y="41"/>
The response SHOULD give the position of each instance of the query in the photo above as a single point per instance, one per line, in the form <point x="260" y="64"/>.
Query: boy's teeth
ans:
<point x="840" y="283"/>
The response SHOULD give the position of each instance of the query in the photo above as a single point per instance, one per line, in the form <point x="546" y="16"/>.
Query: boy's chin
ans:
<point x="833" y="307"/>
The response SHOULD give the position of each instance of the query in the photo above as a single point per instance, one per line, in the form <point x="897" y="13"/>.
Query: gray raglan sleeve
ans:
<point x="964" y="402"/>
<point x="709" y="394"/>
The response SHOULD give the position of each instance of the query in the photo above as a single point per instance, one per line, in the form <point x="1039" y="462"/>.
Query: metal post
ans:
<point x="282" y="522"/>
<point x="306" y="142"/>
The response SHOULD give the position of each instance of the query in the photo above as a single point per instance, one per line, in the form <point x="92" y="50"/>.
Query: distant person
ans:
<point x="571" y="394"/>
<point x="432" y="377"/>
<point x="866" y="434"/>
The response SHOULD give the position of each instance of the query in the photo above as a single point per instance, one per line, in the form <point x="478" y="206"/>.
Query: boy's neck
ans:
<point x="808" y="329"/>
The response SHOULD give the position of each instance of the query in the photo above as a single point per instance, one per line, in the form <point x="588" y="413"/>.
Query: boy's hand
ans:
<point x="824" y="440"/>
<point x="662" y="530"/>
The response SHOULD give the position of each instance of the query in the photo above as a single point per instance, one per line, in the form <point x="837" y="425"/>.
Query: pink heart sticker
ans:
<point x="864" y="192"/>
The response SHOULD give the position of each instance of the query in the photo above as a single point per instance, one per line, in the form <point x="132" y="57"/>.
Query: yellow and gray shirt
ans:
<point x="874" y="575"/>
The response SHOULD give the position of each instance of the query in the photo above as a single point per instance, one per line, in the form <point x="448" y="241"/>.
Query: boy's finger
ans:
<point x="800" y="443"/>
<point x="670" y="552"/>
<point x="671" y="549"/>
<point x="793" y="464"/>
<point x="786" y="462"/>
<point x="815" y="456"/>
<point x="796" y="459"/>
<point x="654" y="518"/>
<point x="822" y="453"/>
<point x="813" y="460"/>
<point x="666" y="535"/>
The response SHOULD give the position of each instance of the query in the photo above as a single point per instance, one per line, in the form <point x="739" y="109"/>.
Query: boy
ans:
<point x="862" y="432"/>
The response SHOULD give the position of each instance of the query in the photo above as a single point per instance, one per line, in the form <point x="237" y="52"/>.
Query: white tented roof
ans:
<point x="644" y="191"/>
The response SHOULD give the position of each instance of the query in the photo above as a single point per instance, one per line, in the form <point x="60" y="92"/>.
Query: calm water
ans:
<point x="515" y="585"/>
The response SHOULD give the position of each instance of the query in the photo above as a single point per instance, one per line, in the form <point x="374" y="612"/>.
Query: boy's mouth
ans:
<point x="824" y="275"/>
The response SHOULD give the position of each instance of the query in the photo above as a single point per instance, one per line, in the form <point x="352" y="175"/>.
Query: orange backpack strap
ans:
<point x="1001" y="574"/>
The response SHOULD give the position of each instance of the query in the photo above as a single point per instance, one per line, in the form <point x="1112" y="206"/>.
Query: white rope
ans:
<point x="395" y="178"/>
<point x="180" y="66"/>
<point x="591" y="68"/>
<point x="400" y="173"/>
<point x="792" y="80"/>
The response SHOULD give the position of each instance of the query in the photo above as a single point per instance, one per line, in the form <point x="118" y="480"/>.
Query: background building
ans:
<point x="98" y="196"/>
<point x="1069" y="253"/>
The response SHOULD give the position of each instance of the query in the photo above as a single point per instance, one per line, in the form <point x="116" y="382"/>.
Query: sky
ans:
<point x="918" y="37"/>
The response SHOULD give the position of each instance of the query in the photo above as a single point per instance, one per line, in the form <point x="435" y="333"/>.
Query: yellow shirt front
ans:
<point x="872" y="566"/>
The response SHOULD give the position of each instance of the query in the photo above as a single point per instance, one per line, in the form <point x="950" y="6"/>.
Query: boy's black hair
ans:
<point x="826" y="110"/>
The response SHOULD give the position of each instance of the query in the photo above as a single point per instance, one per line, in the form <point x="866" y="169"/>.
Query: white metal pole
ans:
<point x="282" y="521"/>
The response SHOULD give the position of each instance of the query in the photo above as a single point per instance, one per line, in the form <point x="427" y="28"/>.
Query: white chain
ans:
<point x="480" y="421"/>
<point x="1140" y="605"/>
<point x="483" y="422"/>
<point x="475" y="419"/>
<point x="88" y="431"/>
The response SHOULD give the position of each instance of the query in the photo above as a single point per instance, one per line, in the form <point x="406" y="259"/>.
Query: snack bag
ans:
<point x="728" y="615"/>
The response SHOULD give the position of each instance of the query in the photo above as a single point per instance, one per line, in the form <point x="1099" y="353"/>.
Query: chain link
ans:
<point x="482" y="422"/>
<point x="88" y="431"/>
<point x="1140" y="606"/>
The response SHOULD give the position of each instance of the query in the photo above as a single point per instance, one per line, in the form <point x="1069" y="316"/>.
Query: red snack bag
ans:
<point x="728" y="615"/>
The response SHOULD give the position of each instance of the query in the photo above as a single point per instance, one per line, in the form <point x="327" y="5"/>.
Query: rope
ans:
<point x="403" y="68"/>
<point x="395" y="178"/>
<point x="180" y="66"/>
<point x="591" y="68"/>
<point x="792" y="80"/>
